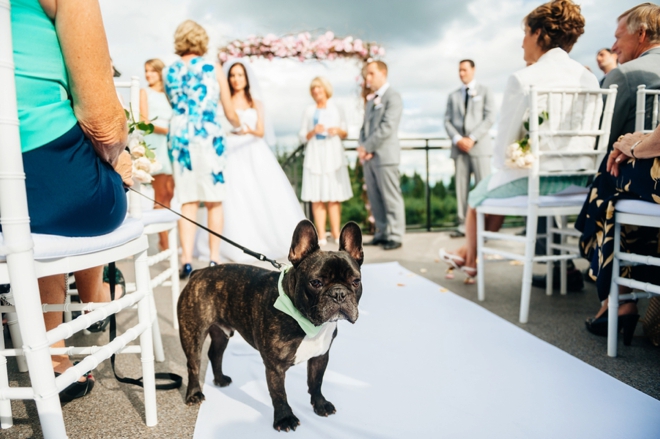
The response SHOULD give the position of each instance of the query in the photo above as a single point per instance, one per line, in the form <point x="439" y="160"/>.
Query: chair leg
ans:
<point x="155" y="329"/>
<point x="35" y="343"/>
<point x="613" y="306"/>
<point x="143" y="281"/>
<point x="481" y="224"/>
<point x="67" y="300"/>
<point x="525" y="295"/>
<point x="549" y="277"/>
<point x="16" y="340"/>
<point x="173" y="240"/>
<point x="6" y="418"/>
<point x="563" y="264"/>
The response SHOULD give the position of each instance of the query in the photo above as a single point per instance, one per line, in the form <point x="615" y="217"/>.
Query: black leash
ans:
<point x="245" y="250"/>
<point x="174" y="379"/>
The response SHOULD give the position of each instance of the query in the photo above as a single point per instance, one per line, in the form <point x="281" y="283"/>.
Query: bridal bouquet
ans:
<point x="519" y="154"/>
<point x="144" y="159"/>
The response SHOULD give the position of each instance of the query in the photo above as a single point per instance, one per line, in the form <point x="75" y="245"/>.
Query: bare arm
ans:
<point x="259" y="130"/>
<point x="225" y="98"/>
<point x="144" y="113"/>
<point x="80" y="30"/>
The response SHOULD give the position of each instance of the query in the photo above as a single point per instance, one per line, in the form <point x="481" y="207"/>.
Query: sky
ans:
<point x="424" y="40"/>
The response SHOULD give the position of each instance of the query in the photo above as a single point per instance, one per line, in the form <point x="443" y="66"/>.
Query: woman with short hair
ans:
<point x="155" y="107"/>
<point x="194" y="86"/>
<point x="551" y="30"/>
<point x="325" y="171"/>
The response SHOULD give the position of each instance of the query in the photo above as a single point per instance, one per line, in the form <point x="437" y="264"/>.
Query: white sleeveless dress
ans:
<point x="160" y="110"/>
<point x="261" y="209"/>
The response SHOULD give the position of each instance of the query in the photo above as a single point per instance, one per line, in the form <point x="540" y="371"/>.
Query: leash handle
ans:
<point x="245" y="250"/>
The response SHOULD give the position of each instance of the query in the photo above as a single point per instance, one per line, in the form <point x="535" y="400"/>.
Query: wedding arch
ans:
<point x="303" y="47"/>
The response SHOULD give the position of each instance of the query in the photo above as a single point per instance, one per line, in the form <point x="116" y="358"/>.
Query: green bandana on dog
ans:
<point x="284" y="304"/>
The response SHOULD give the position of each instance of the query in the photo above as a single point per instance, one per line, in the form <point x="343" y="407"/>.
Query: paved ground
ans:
<point x="116" y="411"/>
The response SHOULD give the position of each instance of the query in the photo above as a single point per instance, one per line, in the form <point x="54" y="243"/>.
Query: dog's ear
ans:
<point x="350" y="241"/>
<point x="305" y="242"/>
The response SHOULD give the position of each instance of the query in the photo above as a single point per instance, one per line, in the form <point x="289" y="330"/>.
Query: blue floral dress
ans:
<point x="195" y="138"/>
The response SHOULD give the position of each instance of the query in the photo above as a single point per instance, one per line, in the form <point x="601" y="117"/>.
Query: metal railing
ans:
<point x="407" y="144"/>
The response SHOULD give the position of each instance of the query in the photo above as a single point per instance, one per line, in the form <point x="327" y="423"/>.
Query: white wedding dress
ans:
<point x="261" y="210"/>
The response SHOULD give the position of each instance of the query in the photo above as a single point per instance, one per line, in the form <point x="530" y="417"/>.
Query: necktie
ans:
<point x="467" y="95"/>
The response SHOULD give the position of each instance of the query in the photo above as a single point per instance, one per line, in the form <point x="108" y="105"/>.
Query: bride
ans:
<point x="260" y="206"/>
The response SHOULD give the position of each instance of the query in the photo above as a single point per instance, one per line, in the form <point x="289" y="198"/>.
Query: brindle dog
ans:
<point x="324" y="286"/>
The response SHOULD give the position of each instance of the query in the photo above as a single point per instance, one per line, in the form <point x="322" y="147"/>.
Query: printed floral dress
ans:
<point x="637" y="180"/>
<point x="195" y="138"/>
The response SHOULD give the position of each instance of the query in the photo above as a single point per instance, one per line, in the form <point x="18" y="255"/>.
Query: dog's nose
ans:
<point x="338" y="295"/>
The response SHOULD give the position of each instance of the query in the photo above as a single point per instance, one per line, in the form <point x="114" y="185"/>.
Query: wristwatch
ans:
<point x="632" y="149"/>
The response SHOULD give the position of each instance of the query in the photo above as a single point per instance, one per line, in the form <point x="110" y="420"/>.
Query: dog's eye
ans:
<point x="316" y="283"/>
<point x="356" y="282"/>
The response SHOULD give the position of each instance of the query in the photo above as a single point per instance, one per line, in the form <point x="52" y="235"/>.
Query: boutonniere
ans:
<point x="472" y="92"/>
<point x="377" y="102"/>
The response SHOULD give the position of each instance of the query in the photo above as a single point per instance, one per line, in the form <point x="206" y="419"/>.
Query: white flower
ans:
<point x="138" y="151"/>
<point x="529" y="159"/>
<point x="155" y="167"/>
<point x="143" y="164"/>
<point x="142" y="176"/>
<point x="133" y="141"/>
<point x="520" y="162"/>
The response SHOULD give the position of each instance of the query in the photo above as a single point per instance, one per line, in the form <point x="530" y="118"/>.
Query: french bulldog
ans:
<point x="324" y="287"/>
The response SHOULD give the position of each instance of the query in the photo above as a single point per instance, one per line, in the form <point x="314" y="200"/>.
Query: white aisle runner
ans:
<point x="421" y="362"/>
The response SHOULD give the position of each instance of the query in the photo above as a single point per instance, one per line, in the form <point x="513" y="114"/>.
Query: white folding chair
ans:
<point x="633" y="213"/>
<point x="579" y="107"/>
<point x="24" y="257"/>
<point x="643" y="94"/>
<point x="154" y="221"/>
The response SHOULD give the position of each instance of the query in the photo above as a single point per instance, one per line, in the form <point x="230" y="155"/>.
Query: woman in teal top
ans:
<point x="73" y="132"/>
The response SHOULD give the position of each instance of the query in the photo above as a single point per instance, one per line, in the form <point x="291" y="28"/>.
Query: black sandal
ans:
<point x="78" y="389"/>
<point x="102" y="325"/>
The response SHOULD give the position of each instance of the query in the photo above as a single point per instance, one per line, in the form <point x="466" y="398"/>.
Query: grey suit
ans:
<point x="643" y="70"/>
<point x="474" y="123"/>
<point x="379" y="136"/>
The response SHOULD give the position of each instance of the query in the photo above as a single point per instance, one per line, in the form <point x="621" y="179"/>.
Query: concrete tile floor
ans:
<point x="114" y="410"/>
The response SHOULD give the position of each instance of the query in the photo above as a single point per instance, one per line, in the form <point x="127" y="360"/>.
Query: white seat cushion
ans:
<point x="156" y="216"/>
<point x="638" y="207"/>
<point x="53" y="246"/>
<point x="544" y="201"/>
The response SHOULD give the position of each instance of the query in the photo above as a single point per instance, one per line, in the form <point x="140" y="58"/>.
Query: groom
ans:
<point x="379" y="150"/>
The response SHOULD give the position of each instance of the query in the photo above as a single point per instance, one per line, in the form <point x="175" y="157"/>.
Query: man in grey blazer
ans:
<point x="379" y="150"/>
<point x="470" y="114"/>
<point x="638" y="47"/>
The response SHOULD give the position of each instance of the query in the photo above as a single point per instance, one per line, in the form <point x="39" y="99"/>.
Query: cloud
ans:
<point x="425" y="40"/>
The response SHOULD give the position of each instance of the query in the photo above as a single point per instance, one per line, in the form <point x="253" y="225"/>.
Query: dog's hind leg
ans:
<point x="219" y="340"/>
<point x="192" y="339"/>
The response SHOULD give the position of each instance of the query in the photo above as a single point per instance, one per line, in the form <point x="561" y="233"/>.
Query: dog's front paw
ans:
<point x="224" y="381"/>
<point x="322" y="407"/>
<point x="195" y="398"/>
<point x="286" y="423"/>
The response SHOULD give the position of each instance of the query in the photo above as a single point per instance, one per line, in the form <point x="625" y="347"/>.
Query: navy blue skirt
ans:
<point x="70" y="190"/>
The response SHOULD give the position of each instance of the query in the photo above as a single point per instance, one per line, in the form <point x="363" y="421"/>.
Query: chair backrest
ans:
<point x="575" y="144"/>
<point x="13" y="197"/>
<point x="643" y="95"/>
<point x="134" y="201"/>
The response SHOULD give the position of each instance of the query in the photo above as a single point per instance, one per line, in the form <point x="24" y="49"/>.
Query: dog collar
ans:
<point x="284" y="304"/>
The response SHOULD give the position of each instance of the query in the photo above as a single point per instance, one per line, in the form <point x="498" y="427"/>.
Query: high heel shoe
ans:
<point x="626" y="323"/>
<point x="471" y="273"/>
<point x="185" y="271"/>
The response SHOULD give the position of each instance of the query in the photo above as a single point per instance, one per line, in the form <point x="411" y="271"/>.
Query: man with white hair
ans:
<point x="638" y="48"/>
